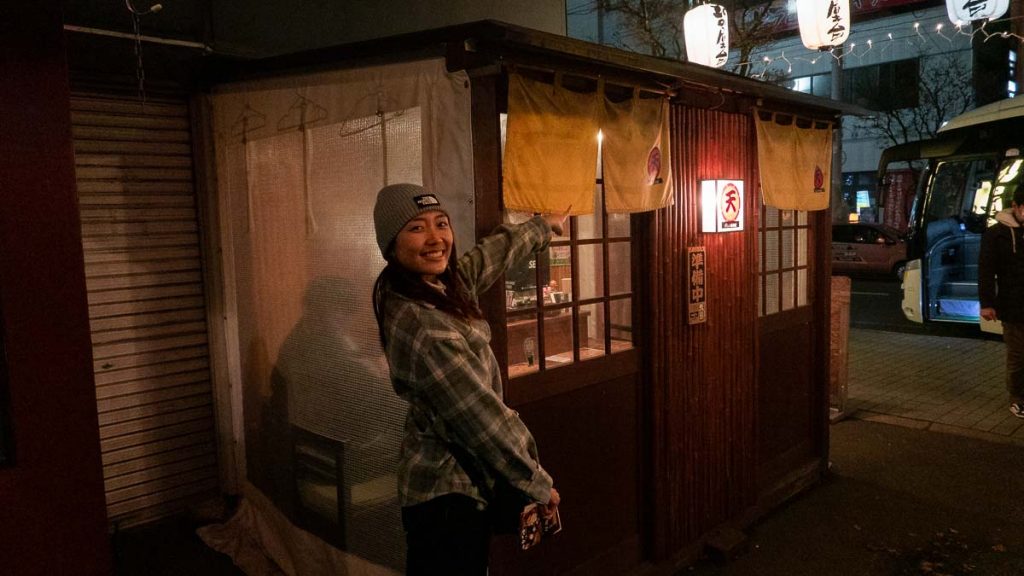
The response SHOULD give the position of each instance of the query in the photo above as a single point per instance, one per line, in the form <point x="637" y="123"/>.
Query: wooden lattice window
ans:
<point x="583" y="284"/>
<point x="784" y="261"/>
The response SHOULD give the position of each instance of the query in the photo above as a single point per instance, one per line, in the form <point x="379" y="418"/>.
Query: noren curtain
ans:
<point x="795" y="163"/>
<point x="551" y="149"/>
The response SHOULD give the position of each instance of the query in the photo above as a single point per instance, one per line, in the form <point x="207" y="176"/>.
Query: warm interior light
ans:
<point x="708" y="200"/>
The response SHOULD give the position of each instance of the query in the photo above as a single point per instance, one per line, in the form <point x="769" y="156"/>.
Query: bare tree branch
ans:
<point x="655" y="27"/>
<point x="944" y="92"/>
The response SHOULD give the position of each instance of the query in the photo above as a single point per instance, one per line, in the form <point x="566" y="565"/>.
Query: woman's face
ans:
<point x="424" y="244"/>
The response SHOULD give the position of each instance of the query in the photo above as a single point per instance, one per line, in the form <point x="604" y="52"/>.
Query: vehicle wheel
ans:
<point x="899" y="269"/>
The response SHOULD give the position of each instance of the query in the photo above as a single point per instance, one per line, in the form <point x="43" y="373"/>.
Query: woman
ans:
<point x="460" y="438"/>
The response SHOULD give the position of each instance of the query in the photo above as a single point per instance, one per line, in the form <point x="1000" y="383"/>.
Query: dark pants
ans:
<point x="446" y="536"/>
<point x="1013" y="336"/>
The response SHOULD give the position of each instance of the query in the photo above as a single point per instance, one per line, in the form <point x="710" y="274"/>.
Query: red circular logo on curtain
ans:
<point x="653" y="165"/>
<point x="819" y="179"/>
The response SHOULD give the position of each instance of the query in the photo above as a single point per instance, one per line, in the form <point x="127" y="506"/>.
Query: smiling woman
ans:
<point x="463" y="448"/>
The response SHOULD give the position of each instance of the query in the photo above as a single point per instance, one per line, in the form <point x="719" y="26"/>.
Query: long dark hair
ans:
<point x="453" y="300"/>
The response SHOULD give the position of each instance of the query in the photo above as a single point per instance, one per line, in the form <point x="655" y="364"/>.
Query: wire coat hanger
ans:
<point x="301" y="113"/>
<point x="249" y="120"/>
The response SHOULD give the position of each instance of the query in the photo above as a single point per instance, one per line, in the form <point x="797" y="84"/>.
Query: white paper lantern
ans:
<point x="823" y="23"/>
<point x="963" y="11"/>
<point x="706" y="31"/>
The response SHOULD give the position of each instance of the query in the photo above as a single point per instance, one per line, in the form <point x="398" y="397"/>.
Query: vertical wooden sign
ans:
<point x="696" y="309"/>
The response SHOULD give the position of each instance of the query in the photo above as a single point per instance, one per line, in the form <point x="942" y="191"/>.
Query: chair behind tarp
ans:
<point x="320" y="497"/>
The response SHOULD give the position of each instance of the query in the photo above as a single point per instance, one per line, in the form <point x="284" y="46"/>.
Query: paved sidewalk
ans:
<point x="939" y="383"/>
<point x="898" y="502"/>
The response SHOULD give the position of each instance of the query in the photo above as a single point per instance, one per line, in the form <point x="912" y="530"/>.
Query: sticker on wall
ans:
<point x="722" y="205"/>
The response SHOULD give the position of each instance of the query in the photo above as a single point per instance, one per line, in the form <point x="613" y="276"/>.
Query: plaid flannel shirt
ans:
<point x="445" y="369"/>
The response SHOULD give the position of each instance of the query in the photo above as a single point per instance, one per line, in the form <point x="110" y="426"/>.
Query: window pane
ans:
<point x="521" y="284"/>
<point x="801" y="84"/>
<point x="619" y="270"/>
<point x="591" y="271"/>
<point x="771" y="217"/>
<point x="558" y="288"/>
<point x="787" y="248"/>
<point x="618" y="225"/>
<point x="801" y="218"/>
<point x="771" y="293"/>
<point x="622" y="324"/>
<point x="788" y="293"/>
<point x="522" y="346"/>
<point x="558" y="334"/>
<point x="801" y="287"/>
<point x="821" y="85"/>
<point x="760" y="258"/>
<point x="589" y="225"/>
<point x="591" y="327"/>
<point x="761" y="300"/>
<point x="801" y="246"/>
<point x="771" y="250"/>
<point x="905" y="83"/>
<point x="948" y="185"/>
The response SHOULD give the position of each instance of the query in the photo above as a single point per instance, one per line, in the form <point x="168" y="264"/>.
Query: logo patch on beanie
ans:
<point x="425" y="200"/>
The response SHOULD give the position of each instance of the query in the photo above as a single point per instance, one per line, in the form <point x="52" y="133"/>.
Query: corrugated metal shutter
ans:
<point x="143" y="271"/>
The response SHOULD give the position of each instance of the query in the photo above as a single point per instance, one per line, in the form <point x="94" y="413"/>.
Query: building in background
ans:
<point x="904" y="60"/>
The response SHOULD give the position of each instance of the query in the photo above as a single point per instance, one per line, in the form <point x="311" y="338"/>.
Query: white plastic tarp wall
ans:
<point x="299" y="161"/>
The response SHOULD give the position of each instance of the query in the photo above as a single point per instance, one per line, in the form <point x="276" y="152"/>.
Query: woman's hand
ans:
<point x="552" y="504"/>
<point x="557" y="221"/>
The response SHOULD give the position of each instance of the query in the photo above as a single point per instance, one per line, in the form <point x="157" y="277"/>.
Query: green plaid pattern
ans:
<point x="445" y="369"/>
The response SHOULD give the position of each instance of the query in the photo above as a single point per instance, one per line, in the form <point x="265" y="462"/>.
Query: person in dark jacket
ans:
<point x="1001" y="290"/>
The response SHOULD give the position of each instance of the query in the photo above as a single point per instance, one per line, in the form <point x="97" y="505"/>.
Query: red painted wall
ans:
<point x="52" y="517"/>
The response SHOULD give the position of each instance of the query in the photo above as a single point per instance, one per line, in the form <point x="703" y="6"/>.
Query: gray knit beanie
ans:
<point x="396" y="205"/>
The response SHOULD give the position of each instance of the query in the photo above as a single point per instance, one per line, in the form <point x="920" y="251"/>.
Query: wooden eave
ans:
<point x="485" y="46"/>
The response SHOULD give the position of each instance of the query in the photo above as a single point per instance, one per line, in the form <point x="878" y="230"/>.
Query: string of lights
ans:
<point x="916" y="35"/>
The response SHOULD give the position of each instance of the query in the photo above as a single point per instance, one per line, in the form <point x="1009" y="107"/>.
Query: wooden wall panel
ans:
<point x="703" y="377"/>
<point x="786" y="403"/>
<point x="587" y="440"/>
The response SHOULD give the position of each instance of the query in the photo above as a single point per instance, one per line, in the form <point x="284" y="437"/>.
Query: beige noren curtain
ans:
<point x="636" y="153"/>
<point x="795" y="164"/>
<point x="550" y="148"/>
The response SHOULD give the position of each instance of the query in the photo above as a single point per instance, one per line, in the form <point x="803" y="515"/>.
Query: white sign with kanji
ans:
<point x="722" y="205"/>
